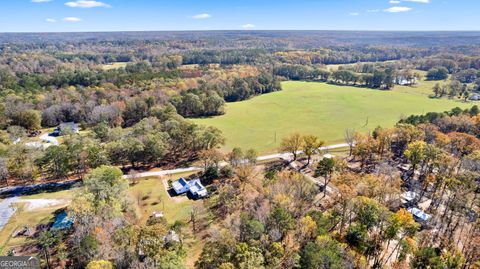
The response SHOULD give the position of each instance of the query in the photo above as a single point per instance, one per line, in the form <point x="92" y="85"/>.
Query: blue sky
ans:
<point x="133" y="15"/>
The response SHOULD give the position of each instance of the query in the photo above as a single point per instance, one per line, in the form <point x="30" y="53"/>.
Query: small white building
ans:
<point x="419" y="215"/>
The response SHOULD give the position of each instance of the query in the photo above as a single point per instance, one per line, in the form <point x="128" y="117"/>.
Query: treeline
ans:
<point x="349" y="54"/>
<point x="378" y="78"/>
<point x="25" y="83"/>
<point x="227" y="57"/>
<point x="209" y="98"/>
<point x="453" y="62"/>
<point x="302" y="72"/>
<point x="436" y="117"/>
<point x="166" y="138"/>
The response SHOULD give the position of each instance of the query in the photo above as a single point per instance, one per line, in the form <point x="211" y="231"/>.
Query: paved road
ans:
<point x="11" y="193"/>
<point x="285" y="156"/>
<point x="6" y="210"/>
<point x="166" y="172"/>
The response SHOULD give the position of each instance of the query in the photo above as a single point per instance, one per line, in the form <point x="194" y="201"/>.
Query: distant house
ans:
<point x="474" y="97"/>
<point x="65" y="128"/>
<point x="419" y="215"/>
<point x="194" y="187"/>
<point x="400" y="80"/>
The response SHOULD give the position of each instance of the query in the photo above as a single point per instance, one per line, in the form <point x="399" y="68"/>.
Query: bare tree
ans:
<point x="133" y="176"/>
<point x="193" y="218"/>
<point x="350" y="139"/>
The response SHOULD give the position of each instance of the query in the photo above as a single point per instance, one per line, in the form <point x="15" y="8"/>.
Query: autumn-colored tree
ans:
<point x="292" y="143"/>
<point x="100" y="264"/>
<point x="463" y="144"/>
<point x="311" y="145"/>
<point x="415" y="153"/>
<point x="210" y="158"/>
<point x="365" y="148"/>
<point x="325" y="169"/>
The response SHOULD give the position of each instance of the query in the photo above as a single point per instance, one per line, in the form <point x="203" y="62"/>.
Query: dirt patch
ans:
<point x="36" y="204"/>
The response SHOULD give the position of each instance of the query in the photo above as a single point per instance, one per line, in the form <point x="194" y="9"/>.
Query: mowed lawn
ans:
<point x="321" y="109"/>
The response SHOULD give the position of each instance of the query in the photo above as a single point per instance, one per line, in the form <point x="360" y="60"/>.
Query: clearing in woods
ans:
<point x="321" y="109"/>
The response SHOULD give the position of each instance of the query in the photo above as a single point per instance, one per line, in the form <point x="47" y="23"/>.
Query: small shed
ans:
<point x="157" y="215"/>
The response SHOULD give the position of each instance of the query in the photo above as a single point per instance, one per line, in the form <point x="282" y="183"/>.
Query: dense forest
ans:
<point x="133" y="94"/>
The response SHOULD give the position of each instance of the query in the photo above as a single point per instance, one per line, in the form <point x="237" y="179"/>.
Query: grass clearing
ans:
<point x="22" y="217"/>
<point x="150" y="195"/>
<point x="321" y="109"/>
<point x="112" y="66"/>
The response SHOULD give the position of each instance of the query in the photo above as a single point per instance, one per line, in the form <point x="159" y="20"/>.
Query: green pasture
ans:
<point x="321" y="109"/>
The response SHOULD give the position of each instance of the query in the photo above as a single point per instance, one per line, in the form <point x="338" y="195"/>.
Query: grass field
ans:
<point x="321" y="109"/>
<point x="30" y="218"/>
<point x="112" y="66"/>
<point x="151" y="195"/>
<point x="150" y="192"/>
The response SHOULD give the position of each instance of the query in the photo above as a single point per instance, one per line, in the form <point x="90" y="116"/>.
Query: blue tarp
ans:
<point x="62" y="221"/>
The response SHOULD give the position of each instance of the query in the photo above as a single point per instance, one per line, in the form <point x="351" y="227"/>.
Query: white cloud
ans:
<point x="202" y="16"/>
<point x="397" y="9"/>
<point x="71" y="19"/>
<point x="418" y="1"/>
<point x="50" y="20"/>
<point x="248" y="26"/>
<point x="86" y="4"/>
<point x="394" y="2"/>
<point x="353" y="13"/>
<point x="41" y="1"/>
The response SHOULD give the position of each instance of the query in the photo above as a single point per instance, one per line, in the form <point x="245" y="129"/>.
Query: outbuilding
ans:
<point x="419" y="215"/>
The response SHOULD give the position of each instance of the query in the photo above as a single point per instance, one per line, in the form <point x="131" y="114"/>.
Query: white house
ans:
<point x="194" y="187"/>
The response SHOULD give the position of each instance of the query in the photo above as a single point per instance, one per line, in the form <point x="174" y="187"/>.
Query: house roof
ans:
<point x="419" y="214"/>
<point x="179" y="184"/>
<point x="409" y="195"/>
<point x="195" y="187"/>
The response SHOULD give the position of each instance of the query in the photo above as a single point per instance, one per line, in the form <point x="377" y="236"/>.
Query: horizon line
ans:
<point x="240" y="30"/>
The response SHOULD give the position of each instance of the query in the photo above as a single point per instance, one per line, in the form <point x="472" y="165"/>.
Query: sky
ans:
<point x="157" y="15"/>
